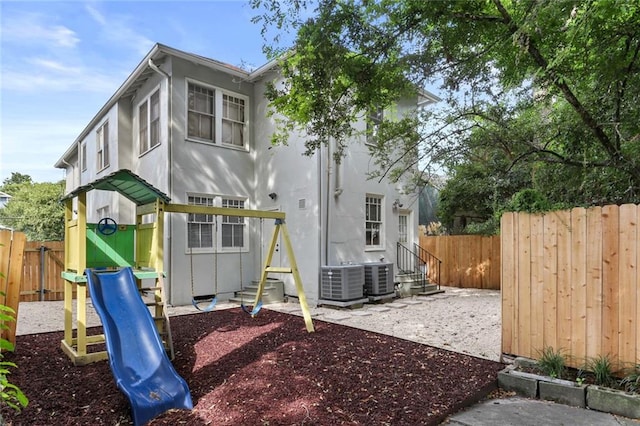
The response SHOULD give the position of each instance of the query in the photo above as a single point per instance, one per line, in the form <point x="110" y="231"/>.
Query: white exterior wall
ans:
<point x="284" y="170"/>
<point x="199" y="168"/>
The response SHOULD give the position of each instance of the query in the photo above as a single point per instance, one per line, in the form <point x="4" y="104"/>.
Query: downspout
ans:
<point x="168" y="223"/>
<point x="328" y="204"/>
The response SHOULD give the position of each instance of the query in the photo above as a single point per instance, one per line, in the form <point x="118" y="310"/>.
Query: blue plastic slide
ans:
<point x="138" y="361"/>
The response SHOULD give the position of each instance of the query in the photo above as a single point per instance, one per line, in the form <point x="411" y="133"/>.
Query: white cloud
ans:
<point x="55" y="77"/>
<point x="118" y="29"/>
<point x="30" y="28"/>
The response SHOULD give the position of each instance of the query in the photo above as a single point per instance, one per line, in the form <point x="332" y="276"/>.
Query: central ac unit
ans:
<point x="342" y="283"/>
<point x="378" y="278"/>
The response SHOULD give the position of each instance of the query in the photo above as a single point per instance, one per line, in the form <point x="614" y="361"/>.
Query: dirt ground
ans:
<point x="413" y="361"/>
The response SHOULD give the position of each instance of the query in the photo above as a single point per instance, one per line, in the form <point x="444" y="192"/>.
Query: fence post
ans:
<point x="43" y="249"/>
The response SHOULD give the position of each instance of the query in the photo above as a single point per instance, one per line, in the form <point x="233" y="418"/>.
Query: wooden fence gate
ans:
<point x="11" y="257"/>
<point x="43" y="266"/>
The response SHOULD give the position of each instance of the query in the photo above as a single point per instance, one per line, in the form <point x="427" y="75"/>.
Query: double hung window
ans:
<point x="201" y="232"/>
<point x="102" y="146"/>
<point x="373" y="221"/>
<point x="149" y="122"/>
<point x="216" y="116"/>
<point x="200" y="229"/>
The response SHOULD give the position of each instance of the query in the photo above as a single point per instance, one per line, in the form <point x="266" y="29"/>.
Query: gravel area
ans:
<point x="462" y="320"/>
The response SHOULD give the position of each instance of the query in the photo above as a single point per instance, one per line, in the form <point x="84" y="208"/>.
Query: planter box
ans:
<point x="522" y="385"/>
<point x="613" y="401"/>
<point x="571" y="394"/>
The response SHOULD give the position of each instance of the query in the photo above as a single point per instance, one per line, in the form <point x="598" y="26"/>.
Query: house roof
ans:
<point x="126" y="183"/>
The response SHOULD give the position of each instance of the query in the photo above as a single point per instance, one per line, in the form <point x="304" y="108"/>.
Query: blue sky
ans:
<point x="61" y="61"/>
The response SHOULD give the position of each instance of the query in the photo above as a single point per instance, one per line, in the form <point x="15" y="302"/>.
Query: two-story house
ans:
<point x="198" y="130"/>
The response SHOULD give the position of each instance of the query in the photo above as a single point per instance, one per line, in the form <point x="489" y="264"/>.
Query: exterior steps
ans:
<point x="410" y="284"/>
<point x="273" y="293"/>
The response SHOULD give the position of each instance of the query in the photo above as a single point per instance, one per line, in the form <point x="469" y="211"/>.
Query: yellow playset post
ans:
<point x="148" y="251"/>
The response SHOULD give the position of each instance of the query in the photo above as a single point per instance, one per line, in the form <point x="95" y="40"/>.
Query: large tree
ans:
<point x="551" y="84"/>
<point x="34" y="208"/>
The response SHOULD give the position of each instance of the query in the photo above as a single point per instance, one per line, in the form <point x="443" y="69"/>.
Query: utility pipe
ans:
<point x="168" y="223"/>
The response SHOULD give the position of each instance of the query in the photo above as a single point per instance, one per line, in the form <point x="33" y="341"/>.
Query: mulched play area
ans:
<point x="265" y="370"/>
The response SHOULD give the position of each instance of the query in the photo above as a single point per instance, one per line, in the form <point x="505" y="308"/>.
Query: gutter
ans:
<point x="168" y="223"/>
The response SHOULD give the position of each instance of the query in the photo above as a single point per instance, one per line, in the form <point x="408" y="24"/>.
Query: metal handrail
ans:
<point x="428" y="259"/>
<point x="409" y="262"/>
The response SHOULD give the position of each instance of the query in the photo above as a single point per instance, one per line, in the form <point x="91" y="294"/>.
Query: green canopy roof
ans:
<point x="126" y="183"/>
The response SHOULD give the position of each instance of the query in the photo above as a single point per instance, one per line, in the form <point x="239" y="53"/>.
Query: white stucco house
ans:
<point x="198" y="130"/>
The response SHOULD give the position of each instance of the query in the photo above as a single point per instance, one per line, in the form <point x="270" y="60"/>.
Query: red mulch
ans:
<point x="266" y="370"/>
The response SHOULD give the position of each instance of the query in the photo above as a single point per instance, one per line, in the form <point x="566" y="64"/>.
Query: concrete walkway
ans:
<point x="528" y="412"/>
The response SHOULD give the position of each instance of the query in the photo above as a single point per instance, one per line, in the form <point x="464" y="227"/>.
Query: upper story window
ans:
<point x="149" y="122"/>
<point x="83" y="156"/>
<point x="201" y="113"/>
<point x="374" y="119"/>
<point x="373" y="221"/>
<point x="102" y="145"/>
<point x="216" y="116"/>
<point x="233" y="120"/>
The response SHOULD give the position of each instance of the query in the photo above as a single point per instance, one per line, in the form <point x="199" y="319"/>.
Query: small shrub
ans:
<point x="10" y="394"/>
<point x="631" y="382"/>
<point x="602" y="370"/>
<point x="552" y="363"/>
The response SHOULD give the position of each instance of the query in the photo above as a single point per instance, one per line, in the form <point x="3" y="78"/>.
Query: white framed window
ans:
<point x="200" y="227"/>
<point x="102" y="146"/>
<point x="403" y="228"/>
<point x="83" y="156"/>
<point x="233" y="227"/>
<point x="374" y="119"/>
<point x="201" y="231"/>
<point x="200" y="113"/>
<point x="373" y="221"/>
<point x="233" y="120"/>
<point x="149" y="122"/>
<point x="216" y="116"/>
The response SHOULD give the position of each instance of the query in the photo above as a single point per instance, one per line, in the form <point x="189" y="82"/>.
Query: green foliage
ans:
<point x="602" y="370"/>
<point x="631" y="382"/>
<point x="541" y="94"/>
<point x="529" y="200"/>
<point x="34" y="208"/>
<point x="552" y="362"/>
<point x="10" y="394"/>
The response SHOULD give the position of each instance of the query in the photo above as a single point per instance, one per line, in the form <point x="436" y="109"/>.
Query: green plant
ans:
<point x="10" y="394"/>
<point x="580" y="378"/>
<point x="631" y="382"/>
<point x="552" y="362"/>
<point x="602" y="370"/>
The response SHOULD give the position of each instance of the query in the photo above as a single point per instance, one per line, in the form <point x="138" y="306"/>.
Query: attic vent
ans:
<point x="342" y="283"/>
<point x="378" y="278"/>
<point x="302" y="203"/>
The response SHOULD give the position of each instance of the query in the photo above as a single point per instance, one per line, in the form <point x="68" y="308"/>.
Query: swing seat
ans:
<point x="209" y="299"/>
<point x="253" y="312"/>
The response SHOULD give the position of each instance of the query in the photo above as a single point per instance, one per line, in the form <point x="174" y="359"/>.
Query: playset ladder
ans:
<point x="160" y="315"/>
<point x="293" y="269"/>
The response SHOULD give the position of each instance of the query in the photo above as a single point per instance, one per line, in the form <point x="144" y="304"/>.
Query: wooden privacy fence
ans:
<point x="468" y="261"/>
<point x="43" y="266"/>
<point x="11" y="257"/>
<point x="570" y="282"/>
